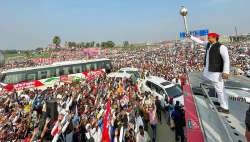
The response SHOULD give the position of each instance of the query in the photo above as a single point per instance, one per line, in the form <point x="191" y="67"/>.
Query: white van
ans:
<point x="132" y="71"/>
<point x="118" y="75"/>
<point x="162" y="88"/>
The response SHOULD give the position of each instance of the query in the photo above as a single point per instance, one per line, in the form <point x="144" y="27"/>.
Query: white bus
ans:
<point x="20" y="78"/>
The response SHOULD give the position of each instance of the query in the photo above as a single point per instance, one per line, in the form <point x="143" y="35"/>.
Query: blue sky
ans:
<point x="28" y="24"/>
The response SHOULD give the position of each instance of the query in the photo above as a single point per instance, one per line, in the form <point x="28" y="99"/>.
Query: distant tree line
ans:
<point x="10" y="51"/>
<point x="107" y="44"/>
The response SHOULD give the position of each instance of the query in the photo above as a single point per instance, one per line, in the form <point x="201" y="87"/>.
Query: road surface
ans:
<point x="164" y="133"/>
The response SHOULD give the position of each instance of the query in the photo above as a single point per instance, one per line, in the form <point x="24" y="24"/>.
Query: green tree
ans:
<point x="103" y="44"/>
<point x="82" y="44"/>
<point x="87" y="44"/>
<point x="125" y="44"/>
<point x="56" y="41"/>
<point x="74" y="44"/>
<point x="79" y="45"/>
<point x="110" y="44"/>
<point x="39" y="49"/>
<point x="92" y="44"/>
<point x="97" y="44"/>
<point x="10" y="52"/>
<point x="27" y="54"/>
<point x="69" y="44"/>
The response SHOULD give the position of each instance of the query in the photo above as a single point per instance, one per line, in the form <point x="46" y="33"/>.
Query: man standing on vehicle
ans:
<point x="217" y="66"/>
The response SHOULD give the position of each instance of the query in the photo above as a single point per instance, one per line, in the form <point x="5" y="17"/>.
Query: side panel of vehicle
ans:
<point x="155" y="91"/>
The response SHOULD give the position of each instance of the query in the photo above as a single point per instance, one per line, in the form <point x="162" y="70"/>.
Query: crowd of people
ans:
<point x="50" y="56"/>
<point x="103" y="109"/>
<point x="159" y="61"/>
<point x="85" y="109"/>
<point x="240" y="54"/>
<point x="154" y="59"/>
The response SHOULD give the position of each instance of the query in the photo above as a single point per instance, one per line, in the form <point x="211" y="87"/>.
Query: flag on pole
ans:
<point x="105" y="132"/>
<point x="55" y="129"/>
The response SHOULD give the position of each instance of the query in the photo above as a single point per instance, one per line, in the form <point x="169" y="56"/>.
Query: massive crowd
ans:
<point x="87" y="107"/>
<point x="82" y="108"/>
<point x="151" y="58"/>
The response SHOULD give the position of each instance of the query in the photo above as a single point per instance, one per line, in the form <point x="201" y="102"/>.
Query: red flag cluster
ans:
<point x="105" y="130"/>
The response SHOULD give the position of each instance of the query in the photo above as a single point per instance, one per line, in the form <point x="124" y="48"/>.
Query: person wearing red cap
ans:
<point x="217" y="66"/>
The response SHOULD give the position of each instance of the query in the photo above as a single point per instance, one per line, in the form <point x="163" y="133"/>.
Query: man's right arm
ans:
<point x="197" y="40"/>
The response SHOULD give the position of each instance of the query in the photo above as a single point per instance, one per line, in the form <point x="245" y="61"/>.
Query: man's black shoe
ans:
<point x="220" y="109"/>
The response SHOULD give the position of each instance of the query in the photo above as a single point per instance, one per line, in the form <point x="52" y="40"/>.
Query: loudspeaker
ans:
<point x="51" y="109"/>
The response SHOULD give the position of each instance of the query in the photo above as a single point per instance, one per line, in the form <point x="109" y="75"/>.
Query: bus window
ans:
<point x="84" y="68"/>
<point x="94" y="66"/>
<point x="107" y="66"/>
<point x="42" y="74"/>
<point x="77" y="69"/>
<point x="14" y="78"/>
<point x="66" y="70"/>
<point x="31" y="76"/>
<point x="88" y="67"/>
<point x="100" y="65"/>
<point x="61" y="72"/>
<point x="70" y="70"/>
<point x="52" y="72"/>
<point x="58" y="71"/>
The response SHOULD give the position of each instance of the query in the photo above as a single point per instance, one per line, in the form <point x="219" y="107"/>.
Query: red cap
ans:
<point x="213" y="35"/>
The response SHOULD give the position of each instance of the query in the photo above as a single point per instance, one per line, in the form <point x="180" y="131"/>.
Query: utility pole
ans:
<point x="184" y="13"/>
<point x="236" y="34"/>
<point x="236" y="31"/>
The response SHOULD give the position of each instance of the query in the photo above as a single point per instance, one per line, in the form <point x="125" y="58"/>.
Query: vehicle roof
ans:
<point x="119" y="75"/>
<point x="160" y="81"/>
<point x="129" y="69"/>
<point x="234" y="121"/>
<point x="56" y="64"/>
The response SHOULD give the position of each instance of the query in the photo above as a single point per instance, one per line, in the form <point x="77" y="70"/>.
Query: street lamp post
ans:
<point x="184" y="13"/>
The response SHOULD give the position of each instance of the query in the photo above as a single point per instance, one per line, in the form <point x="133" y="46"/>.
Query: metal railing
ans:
<point x="213" y="107"/>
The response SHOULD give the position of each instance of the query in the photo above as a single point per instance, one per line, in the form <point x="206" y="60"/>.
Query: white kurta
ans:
<point x="216" y="77"/>
<point x="140" y="138"/>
